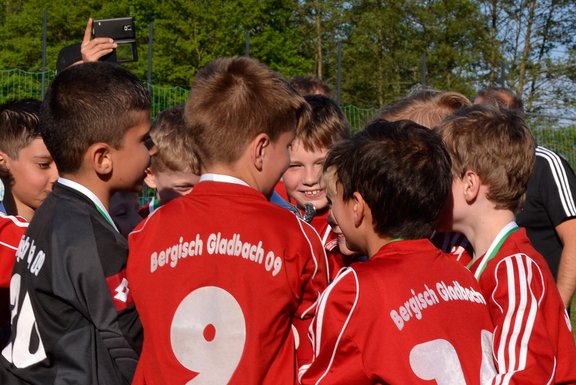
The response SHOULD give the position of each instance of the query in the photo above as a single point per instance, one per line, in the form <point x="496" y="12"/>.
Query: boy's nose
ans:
<point x="53" y="174"/>
<point x="311" y="176"/>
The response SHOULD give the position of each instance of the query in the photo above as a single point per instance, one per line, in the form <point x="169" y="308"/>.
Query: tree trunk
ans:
<point x="493" y="66"/>
<point x="535" y="73"/>
<point x="527" y="49"/>
<point x="318" y="20"/>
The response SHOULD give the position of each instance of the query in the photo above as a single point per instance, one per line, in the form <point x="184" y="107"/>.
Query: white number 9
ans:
<point x="208" y="333"/>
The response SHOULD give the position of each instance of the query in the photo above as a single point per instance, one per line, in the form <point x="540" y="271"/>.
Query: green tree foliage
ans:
<point x="388" y="46"/>
<point x="190" y="34"/>
<point x="21" y="31"/>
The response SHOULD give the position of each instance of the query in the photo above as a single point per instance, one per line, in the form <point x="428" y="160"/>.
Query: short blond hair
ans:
<point x="326" y="126"/>
<point x="234" y="99"/>
<point x="427" y="108"/>
<point x="175" y="149"/>
<point x="497" y="145"/>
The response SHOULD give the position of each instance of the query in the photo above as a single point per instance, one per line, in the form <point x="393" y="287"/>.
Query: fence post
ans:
<point x="44" y="39"/>
<point x="424" y="69"/>
<point x="339" y="75"/>
<point x="247" y="33"/>
<point x="150" y="40"/>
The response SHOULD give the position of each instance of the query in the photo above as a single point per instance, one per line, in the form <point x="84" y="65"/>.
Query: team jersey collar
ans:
<point x="90" y="195"/>
<point x="222" y="178"/>
<point x="494" y="248"/>
<point x="399" y="246"/>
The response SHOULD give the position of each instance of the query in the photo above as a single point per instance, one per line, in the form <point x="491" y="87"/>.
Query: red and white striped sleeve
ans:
<point x="523" y="351"/>
<point x="314" y="279"/>
<point x="337" y="359"/>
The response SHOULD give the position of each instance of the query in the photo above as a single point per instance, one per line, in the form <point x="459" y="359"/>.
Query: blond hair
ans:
<point x="427" y="108"/>
<point x="326" y="126"/>
<point x="234" y="99"/>
<point x="497" y="145"/>
<point x="175" y="149"/>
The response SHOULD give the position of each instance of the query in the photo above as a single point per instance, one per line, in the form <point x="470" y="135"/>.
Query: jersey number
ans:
<point x="208" y="333"/>
<point x="437" y="360"/>
<point x="26" y="346"/>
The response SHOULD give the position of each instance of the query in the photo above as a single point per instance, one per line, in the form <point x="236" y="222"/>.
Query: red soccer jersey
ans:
<point x="219" y="277"/>
<point x="533" y="342"/>
<point x="335" y="259"/>
<point x="11" y="230"/>
<point x="455" y="244"/>
<point x="409" y="315"/>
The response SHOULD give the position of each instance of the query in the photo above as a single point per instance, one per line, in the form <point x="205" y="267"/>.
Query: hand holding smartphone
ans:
<point x="123" y="32"/>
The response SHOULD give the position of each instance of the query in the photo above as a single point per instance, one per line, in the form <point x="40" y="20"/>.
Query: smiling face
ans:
<point x="303" y="179"/>
<point x="33" y="174"/>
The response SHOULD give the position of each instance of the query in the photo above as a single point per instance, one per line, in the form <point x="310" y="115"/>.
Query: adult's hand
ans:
<point x="94" y="49"/>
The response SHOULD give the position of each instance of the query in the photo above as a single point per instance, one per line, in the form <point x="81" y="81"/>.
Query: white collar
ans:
<point x="209" y="177"/>
<point x="90" y="195"/>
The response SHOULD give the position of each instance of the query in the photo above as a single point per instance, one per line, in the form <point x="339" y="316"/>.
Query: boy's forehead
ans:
<point x="297" y="148"/>
<point x="140" y="124"/>
<point x="142" y="118"/>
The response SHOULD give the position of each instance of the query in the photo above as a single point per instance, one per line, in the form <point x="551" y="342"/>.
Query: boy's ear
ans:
<point x="4" y="161"/>
<point x="100" y="158"/>
<point x="471" y="182"/>
<point x="150" y="179"/>
<point x="259" y="146"/>
<point x="359" y="208"/>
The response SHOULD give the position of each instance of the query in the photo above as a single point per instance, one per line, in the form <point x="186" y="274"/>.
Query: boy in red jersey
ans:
<point x="492" y="155"/>
<point x="28" y="172"/>
<point x="385" y="321"/>
<point x="221" y="277"/>
<point x="303" y="178"/>
<point x="429" y="108"/>
<point x="174" y="169"/>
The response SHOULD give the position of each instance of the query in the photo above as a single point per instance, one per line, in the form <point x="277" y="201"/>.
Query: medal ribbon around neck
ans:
<point x="494" y="248"/>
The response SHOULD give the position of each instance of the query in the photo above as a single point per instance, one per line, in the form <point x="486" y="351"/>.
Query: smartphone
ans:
<point x="123" y="32"/>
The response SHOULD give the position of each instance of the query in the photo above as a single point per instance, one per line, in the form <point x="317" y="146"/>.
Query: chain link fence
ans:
<point x="16" y="84"/>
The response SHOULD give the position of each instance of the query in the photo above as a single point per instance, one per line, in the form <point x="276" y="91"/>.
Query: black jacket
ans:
<point x="74" y="321"/>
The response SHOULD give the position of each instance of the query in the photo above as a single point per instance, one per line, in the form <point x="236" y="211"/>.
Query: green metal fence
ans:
<point x="16" y="84"/>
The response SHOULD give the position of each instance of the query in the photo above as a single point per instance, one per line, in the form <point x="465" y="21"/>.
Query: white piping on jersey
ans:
<point x="300" y="221"/>
<point x="324" y="239"/>
<point x="320" y="317"/>
<point x="326" y="234"/>
<point x="305" y="312"/>
<point x="523" y="315"/>
<point x="17" y="221"/>
<point x="560" y="178"/>
<point x="9" y="246"/>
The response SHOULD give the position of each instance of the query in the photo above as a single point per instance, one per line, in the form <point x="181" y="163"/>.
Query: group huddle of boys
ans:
<point x="222" y="286"/>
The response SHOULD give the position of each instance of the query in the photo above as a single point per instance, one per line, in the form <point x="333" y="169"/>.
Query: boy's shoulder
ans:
<point x="72" y="218"/>
<point x="517" y="252"/>
<point x="406" y="261"/>
<point x="12" y="223"/>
